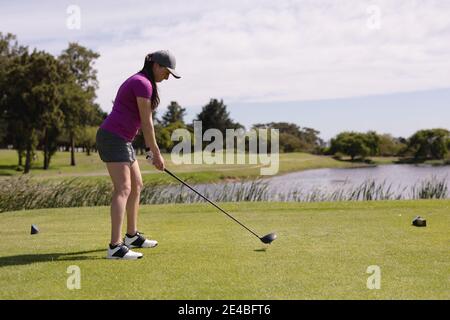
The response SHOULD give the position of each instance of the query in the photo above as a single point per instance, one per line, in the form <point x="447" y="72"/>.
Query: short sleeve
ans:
<point x="141" y="88"/>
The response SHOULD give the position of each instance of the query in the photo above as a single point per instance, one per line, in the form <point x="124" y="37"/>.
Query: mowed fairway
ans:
<point x="91" y="168"/>
<point x="323" y="252"/>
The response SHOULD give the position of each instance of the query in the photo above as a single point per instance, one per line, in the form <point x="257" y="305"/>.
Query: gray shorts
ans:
<point x="113" y="148"/>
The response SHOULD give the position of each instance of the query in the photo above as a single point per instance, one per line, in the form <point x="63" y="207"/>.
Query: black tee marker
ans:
<point x="34" y="229"/>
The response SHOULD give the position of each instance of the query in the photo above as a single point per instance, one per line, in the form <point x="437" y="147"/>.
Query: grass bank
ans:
<point x="91" y="168"/>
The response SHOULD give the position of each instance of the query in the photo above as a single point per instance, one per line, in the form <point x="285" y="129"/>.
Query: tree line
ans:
<point x="423" y="145"/>
<point x="428" y="144"/>
<point x="47" y="104"/>
<point x="46" y="101"/>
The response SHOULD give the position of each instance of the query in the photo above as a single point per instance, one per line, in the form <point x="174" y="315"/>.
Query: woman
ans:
<point x="136" y="99"/>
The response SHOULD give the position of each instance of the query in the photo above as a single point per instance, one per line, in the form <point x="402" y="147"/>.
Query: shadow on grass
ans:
<point x="260" y="250"/>
<point x="8" y="170"/>
<point x="365" y="161"/>
<point x="432" y="162"/>
<point x="25" y="259"/>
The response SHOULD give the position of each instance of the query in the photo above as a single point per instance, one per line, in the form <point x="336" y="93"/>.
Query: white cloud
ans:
<point x="256" y="50"/>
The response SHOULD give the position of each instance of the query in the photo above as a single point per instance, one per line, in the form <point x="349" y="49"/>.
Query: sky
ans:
<point x="331" y="65"/>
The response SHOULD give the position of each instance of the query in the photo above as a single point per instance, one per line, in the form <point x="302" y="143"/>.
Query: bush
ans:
<point x="338" y="156"/>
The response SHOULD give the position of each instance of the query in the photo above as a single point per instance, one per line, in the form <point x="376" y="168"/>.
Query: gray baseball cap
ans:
<point x="166" y="59"/>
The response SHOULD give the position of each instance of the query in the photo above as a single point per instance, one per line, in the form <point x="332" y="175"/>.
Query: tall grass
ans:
<point x="430" y="189"/>
<point x="369" y="190"/>
<point x="24" y="193"/>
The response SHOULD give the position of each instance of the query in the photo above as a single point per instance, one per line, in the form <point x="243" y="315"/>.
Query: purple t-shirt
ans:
<point x="124" y="119"/>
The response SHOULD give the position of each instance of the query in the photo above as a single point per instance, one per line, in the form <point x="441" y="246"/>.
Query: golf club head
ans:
<point x="268" y="238"/>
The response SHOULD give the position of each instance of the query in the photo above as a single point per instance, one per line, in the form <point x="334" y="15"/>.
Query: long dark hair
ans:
<point x="147" y="70"/>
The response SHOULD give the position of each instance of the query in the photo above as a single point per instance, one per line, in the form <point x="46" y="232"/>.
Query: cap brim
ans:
<point x="174" y="73"/>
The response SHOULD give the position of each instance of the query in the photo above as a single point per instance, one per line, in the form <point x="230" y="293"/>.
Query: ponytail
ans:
<point x="147" y="70"/>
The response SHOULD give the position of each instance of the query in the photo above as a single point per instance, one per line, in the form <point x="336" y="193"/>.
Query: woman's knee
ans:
<point x="136" y="178"/>
<point x="137" y="187"/>
<point x="123" y="190"/>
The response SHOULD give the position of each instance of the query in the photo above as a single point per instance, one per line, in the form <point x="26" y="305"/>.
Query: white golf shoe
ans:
<point x="121" y="251"/>
<point x="138" y="241"/>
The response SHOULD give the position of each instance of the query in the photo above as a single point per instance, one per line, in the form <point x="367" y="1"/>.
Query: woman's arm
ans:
<point x="145" y="112"/>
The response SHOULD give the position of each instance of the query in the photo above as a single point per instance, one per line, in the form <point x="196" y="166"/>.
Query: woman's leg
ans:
<point x="120" y="175"/>
<point x="133" y="199"/>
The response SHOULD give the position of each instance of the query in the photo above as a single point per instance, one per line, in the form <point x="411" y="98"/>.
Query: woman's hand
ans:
<point x="156" y="159"/>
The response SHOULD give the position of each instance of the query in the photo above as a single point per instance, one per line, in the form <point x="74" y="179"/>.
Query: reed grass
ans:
<point x="23" y="193"/>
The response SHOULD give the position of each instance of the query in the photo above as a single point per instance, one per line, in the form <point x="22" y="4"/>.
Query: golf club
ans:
<point x="268" y="238"/>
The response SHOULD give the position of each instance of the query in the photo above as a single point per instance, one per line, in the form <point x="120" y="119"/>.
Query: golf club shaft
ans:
<point x="215" y="205"/>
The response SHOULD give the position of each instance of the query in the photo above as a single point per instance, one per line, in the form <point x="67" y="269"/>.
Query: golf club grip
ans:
<point x="205" y="198"/>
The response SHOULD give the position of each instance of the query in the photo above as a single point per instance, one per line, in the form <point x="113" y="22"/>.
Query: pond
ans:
<point x="384" y="182"/>
<point x="398" y="176"/>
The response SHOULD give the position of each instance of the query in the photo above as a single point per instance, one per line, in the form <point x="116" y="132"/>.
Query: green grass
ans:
<point x="92" y="169"/>
<point x="323" y="252"/>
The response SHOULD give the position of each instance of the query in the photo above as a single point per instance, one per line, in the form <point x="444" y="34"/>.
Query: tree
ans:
<point x="294" y="138"/>
<point x="87" y="137"/>
<point x="78" y="90"/>
<point x="10" y="133"/>
<point x="164" y="135"/>
<point x="174" y="113"/>
<point x="390" y="146"/>
<point x="310" y="140"/>
<point x="74" y="104"/>
<point x="353" y="144"/>
<point x="33" y="100"/>
<point x="283" y="127"/>
<point x="429" y="144"/>
<point x="42" y="97"/>
<point x="372" y="141"/>
<point x="214" y="115"/>
<point x="80" y="61"/>
<point x="97" y="115"/>
<point x="289" y="142"/>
